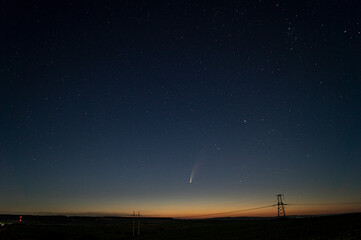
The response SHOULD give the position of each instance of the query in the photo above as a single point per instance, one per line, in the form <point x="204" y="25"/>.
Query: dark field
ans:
<point x="346" y="226"/>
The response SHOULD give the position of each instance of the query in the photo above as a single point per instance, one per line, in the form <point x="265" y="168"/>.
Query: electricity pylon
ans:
<point x="281" y="205"/>
<point x="136" y="222"/>
<point x="133" y="217"/>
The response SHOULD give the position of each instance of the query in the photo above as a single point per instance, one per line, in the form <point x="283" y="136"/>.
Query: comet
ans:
<point x="194" y="169"/>
<point x="197" y="163"/>
<point x="205" y="154"/>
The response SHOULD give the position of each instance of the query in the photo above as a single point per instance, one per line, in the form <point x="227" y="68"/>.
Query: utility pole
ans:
<point x="138" y="223"/>
<point x="281" y="206"/>
<point x="133" y="216"/>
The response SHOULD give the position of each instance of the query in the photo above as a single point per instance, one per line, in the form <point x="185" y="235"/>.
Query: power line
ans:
<point x="237" y="211"/>
<point x="262" y="207"/>
<point x="273" y="205"/>
<point x="325" y="203"/>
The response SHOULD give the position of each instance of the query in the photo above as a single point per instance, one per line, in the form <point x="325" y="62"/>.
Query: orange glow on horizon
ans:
<point x="195" y="209"/>
<point x="216" y="213"/>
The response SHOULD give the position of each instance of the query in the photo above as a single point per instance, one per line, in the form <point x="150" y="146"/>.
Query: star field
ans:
<point x="111" y="106"/>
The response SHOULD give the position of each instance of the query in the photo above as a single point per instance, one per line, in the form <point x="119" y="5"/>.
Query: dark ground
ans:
<point x="347" y="226"/>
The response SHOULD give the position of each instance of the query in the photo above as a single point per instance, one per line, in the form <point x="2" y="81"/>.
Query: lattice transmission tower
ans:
<point x="281" y="205"/>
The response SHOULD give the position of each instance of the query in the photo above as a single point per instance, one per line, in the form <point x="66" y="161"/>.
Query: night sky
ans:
<point x="113" y="106"/>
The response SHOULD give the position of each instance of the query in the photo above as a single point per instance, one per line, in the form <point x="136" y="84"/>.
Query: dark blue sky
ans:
<point x="110" y="106"/>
